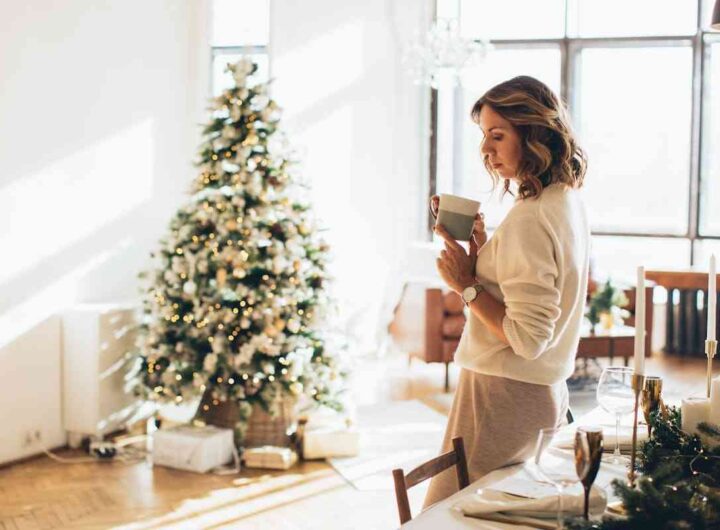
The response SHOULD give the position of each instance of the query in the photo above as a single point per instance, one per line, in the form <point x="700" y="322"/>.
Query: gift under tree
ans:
<point x="234" y="308"/>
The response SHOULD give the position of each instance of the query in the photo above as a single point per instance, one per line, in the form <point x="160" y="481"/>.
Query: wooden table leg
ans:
<point x="670" y="323"/>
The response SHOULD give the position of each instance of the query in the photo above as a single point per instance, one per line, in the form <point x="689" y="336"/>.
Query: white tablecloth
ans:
<point x="443" y="516"/>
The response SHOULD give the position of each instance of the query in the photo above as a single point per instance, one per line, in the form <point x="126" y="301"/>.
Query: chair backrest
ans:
<point x="429" y="469"/>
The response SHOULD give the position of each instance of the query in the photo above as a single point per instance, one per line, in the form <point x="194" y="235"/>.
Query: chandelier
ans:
<point x="439" y="57"/>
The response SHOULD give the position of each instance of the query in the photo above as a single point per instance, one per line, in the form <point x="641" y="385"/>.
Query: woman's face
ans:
<point x="500" y="144"/>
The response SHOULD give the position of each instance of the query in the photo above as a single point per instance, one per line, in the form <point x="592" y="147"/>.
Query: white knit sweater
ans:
<point x="536" y="263"/>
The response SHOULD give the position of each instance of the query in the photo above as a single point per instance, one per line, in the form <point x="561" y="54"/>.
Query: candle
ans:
<point x="715" y="401"/>
<point x="712" y="300"/>
<point x="640" y="322"/>
<point x="694" y="410"/>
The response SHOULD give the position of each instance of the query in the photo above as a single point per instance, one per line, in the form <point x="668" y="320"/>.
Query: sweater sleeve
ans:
<point x="527" y="273"/>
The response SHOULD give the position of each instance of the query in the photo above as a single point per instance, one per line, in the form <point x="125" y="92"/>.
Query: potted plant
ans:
<point x="606" y="306"/>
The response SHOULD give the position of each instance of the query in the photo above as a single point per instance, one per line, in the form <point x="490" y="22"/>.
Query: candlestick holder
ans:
<point x="710" y="350"/>
<point x="651" y="398"/>
<point x="638" y="383"/>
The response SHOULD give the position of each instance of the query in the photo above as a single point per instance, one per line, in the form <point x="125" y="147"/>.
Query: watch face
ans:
<point x="469" y="294"/>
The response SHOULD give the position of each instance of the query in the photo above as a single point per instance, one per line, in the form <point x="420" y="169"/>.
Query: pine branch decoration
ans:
<point x="680" y="485"/>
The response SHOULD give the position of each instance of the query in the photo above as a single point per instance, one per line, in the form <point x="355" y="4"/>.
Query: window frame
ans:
<point x="242" y="49"/>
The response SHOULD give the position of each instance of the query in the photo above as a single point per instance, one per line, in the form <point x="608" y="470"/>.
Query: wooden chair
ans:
<point x="685" y="320"/>
<point x="429" y="469"/>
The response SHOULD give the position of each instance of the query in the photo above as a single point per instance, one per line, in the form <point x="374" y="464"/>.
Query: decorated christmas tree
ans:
<point x="235" y="304"/>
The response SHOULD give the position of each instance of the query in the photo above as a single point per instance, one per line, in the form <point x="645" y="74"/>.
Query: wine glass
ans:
<point x="552" y="468"/>
<point x="615" y="395"/>
<point x="588" y="455"/>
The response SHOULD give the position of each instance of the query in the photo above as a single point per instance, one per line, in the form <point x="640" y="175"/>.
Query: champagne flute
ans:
<point x="615" y="395"/>
<point x="588" y="455"/>
<point x="651" y="398"/>
<point x="553" y="469"/>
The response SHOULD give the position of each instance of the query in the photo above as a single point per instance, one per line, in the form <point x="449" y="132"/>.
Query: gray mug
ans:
<point x="457" y="215"/>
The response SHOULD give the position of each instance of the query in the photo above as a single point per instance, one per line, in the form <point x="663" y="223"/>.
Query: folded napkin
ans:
<point x="566" y="438"/>
<point x="490" y="501"/>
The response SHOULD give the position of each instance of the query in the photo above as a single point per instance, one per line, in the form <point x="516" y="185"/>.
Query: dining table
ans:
<point x="443" y="515"/>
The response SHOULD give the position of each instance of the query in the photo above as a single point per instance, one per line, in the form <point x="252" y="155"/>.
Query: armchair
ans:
<point x="427" y="323"/>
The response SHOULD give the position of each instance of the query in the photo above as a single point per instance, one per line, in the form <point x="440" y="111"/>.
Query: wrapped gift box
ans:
<point x="329" y="441"/>
<point x="269" y="457"/>
<point x="191" y="448"/>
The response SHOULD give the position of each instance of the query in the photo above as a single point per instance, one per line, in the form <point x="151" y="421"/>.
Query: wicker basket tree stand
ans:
<point x="262" y="427"/>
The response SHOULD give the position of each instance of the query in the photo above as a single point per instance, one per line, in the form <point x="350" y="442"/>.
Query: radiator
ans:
<point x="97" y="342"/>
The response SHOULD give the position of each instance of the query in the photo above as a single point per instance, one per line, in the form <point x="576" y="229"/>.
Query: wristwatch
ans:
<point x="471" y="293"/>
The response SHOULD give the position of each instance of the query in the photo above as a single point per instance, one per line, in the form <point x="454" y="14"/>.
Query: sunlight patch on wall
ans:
<point x="53" y="299"/>
<point x="63" y="203"/>
<point x="327" y="63"/>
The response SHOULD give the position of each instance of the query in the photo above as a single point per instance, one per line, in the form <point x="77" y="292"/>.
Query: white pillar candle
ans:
<point x="640" y="322"/>
<point x="712" y="300"/>
<point x="715" y="401"/>
<point x="694" y="410"/>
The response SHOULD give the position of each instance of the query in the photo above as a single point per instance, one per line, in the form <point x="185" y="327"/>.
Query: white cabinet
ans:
<point x="97" y="341"/>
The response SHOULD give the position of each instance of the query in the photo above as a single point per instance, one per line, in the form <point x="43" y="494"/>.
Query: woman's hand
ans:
<point x="456" y="267"/>
<point x="434" y="205"/>
<point x="479" y="235"/>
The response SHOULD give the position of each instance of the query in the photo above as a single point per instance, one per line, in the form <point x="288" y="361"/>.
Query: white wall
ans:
<point x="100" y="101"/>
<point x="362" y="126"/>
<point x="30" y="398"/>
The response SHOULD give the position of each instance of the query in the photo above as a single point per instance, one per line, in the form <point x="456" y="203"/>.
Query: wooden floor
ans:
<point x="41" y="493"/>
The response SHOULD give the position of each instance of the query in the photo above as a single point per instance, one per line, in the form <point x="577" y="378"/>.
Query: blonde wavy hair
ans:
<point x="550" y="152"/>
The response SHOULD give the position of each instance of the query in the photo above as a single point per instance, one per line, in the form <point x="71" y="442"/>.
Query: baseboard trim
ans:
<point x="28" y="458"/>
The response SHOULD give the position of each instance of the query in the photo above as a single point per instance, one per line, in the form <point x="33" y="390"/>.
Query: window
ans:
<point x="638" y="142"/>
<point x="638" y="90"/>
<point x="710" y="144"/>
<point x="239" y="28"/>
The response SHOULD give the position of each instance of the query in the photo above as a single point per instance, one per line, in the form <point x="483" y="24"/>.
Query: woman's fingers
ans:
<point x="449" y="240"/>
<point x="434" y="205"/>
<point x="441" y="264"/>
<point x="473" y="246"/>
<point x="453" y="252"/>
<point x="479" y="235"/>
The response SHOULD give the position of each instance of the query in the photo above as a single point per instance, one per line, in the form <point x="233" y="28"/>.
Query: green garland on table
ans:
<point x="680" y="483"/>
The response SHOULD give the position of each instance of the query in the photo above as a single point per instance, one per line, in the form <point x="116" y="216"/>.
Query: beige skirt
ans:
<point x="499" y="420"/>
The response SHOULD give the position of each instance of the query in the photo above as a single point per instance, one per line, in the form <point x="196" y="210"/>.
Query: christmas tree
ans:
<point x="234" y="306"/>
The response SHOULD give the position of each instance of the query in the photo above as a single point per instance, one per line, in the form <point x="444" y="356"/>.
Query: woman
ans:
<point x="525" y="287"/>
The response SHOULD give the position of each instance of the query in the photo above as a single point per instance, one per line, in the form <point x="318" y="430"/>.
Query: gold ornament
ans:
<point x="270" y="331"/>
